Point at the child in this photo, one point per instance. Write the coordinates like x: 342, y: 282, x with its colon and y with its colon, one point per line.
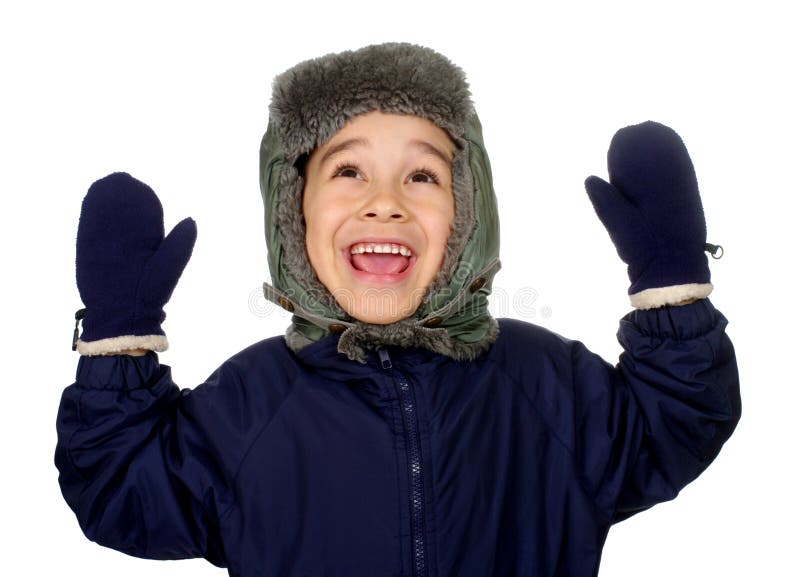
x: 397, y: 428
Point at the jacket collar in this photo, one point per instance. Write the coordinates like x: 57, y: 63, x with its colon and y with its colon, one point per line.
x: 324, y: 355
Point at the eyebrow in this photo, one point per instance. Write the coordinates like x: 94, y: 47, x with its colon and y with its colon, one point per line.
x: 351, y: 143
x: 428, y: 148
x: 342, y: 146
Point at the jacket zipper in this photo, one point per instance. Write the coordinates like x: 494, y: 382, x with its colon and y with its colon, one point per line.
x: 414, y: 464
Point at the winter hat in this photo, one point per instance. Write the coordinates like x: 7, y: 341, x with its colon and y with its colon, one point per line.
x: 310, y: 103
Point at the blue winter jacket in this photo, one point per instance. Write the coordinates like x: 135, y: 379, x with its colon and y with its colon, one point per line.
x: 308, y: 464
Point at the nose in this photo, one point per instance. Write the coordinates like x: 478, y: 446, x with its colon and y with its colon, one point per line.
x: 384, y: 206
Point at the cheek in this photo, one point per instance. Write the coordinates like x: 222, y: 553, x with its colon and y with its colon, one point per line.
x: 325, y: 208
x: 313, y: 214
x: 439, y: 223
x: 322, y: 225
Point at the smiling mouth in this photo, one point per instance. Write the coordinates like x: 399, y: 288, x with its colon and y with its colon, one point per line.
x: 381, y: 258
x: 380, y: 263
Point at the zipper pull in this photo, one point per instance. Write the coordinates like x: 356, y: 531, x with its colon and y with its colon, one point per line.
x: 386, y: 362
x: 716, y: 250
x: 79, y: 314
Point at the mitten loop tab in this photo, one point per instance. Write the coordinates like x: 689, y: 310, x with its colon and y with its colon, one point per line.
x: 716, y: 250
x: 79, y: 314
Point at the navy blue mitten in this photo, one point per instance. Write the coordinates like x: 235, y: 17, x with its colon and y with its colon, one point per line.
x: 652, y: 211
x: 126, y: 269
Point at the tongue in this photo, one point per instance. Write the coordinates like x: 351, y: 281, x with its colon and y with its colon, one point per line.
x: 380, y: 263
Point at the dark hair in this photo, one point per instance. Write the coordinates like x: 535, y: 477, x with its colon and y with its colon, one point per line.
x: 300, y: 164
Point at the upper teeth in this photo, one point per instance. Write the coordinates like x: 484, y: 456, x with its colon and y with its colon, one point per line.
x: 386, y: 248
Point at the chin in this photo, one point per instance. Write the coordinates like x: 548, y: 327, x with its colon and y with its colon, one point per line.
x: 378, y: 318
x: 387, y: 314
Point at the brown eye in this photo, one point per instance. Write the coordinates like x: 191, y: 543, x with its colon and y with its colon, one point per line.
x: 423, y: 176
x: 347, y: 171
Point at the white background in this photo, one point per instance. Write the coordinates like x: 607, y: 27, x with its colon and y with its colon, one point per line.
x: 177, y: 94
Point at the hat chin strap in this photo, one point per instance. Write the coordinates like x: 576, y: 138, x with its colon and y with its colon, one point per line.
x: 462, y: 329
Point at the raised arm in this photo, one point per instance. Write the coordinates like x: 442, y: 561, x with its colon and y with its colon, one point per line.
x: 653, y: 423
x: 647, y: 427
x: 137, y: 463
x: 145, y: 466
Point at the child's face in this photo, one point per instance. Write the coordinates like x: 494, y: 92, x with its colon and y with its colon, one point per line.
x: 383, y: 179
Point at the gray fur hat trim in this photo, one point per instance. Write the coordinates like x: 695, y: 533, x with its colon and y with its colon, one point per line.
x: 312, y: 100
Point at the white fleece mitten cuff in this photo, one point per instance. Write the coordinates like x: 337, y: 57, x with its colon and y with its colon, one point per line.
x: 156, y: 343
x: 670, y: 295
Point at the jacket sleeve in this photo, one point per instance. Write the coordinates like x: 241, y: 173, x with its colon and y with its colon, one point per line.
x: 146, y: 467
x: 647, y: 427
